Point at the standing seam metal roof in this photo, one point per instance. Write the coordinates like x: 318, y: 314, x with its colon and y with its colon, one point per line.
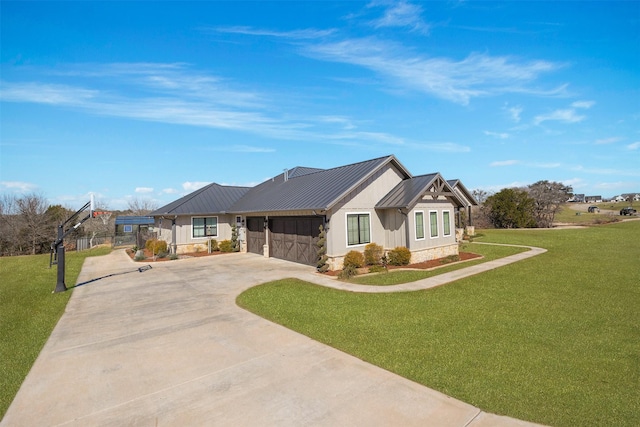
x: 318, y: 190
x: 407, y: 193
x: 213, y: 198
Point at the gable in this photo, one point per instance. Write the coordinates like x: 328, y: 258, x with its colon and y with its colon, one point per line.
x: 425, y: 187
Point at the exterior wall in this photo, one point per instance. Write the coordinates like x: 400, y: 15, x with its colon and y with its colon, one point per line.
x: 185, y: 243
x: 361, y: 200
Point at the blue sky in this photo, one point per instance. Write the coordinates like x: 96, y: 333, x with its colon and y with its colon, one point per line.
x: 151, y: 100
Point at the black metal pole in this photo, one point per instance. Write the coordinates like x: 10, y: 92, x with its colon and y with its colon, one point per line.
x: 60, y: 285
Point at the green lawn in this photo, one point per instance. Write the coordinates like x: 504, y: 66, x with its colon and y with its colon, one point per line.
x: 554, y: 339
x: 29, y: 311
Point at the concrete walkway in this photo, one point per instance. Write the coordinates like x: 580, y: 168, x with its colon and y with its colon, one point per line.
x: 169, y: 347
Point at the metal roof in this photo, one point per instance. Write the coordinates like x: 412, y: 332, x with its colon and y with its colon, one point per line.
x: 134, y: 220
x: 407, y: 192
x: 456, y: 184
x: 213, y: 198
x: 318, y: 190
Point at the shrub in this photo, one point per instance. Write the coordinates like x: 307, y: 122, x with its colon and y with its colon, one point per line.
x: 449, y: 259
x: 139, y: 257
x: 173, y: 256
x: 321, y: 250
x: 373, y: 254
x: 213, y: 245
x: 353, y: 259
x: 156, y: 246
x: 376, y: 269
x: 347, y: 272
x: 226, y: 246
x: 162, y: 254
x: 399, y: 256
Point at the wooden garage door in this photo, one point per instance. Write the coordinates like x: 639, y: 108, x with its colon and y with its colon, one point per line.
x: 294, y: 238
x: 255, y: 235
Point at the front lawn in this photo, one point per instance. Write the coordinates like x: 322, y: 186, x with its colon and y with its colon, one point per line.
x: 29, y: 311
x: 554, y: 339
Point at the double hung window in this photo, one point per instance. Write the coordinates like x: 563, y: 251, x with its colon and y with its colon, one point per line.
x: 358, y: 229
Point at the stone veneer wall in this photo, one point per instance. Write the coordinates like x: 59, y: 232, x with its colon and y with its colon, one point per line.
x: 335, y: 263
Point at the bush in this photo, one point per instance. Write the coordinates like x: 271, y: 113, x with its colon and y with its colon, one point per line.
x: 373, y: 254
x: 162, y: 254
x: 156, y: 246
x: 226, y: 246
x: 173, y: 256
x: 399, y: 256
x: 213, y: 245
x: 353, y: 259
x: 376, y: 269
x: 347, y: 272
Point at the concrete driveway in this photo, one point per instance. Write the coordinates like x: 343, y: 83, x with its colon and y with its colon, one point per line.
x: 169, y: 347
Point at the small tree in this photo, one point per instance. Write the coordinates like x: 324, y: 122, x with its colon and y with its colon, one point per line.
x: 321, y: 246
x: 548, y: 199
x: 510, y: 208
x: 235, y: 243
x: 373, y: 254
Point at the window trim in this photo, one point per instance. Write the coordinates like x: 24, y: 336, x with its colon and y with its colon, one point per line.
x: 415, y: 225
x: 347, y: 215
x: 193, y: 237
x: 446, y: 223
x: 431, y: 235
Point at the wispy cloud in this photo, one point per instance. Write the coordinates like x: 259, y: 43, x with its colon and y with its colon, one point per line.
x: 499, y: 135
x: 606, y: 141
x: 634, y: 146
x: 23, y: 187
x: 399, y: 14
x: 241, y: 149
x: 515, y: 112
x: 193, y: 186
x: 308, y: 33
x: 504, y: 163
x: 454, y: 80
x: 144, y: 190
x: 566, y: 116
x: 583, y: 104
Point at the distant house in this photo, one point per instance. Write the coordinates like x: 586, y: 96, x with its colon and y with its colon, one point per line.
x: 577, y: 198
x: 635, y: 197
x: 375, y: 201
x: 593, y: 199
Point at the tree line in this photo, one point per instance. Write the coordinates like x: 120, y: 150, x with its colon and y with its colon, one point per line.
x: 535, y: 205
x: 29, y: 224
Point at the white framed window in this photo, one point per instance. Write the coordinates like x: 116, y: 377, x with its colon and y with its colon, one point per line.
x: 446, y: 223
x: 419, y: 219
x: 433, y: 223
x: 358, y: 229
x: 202, y: 227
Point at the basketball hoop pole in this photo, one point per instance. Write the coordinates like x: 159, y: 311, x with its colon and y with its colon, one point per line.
x: 58, y: 245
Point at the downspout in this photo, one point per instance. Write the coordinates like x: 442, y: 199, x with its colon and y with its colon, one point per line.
x: 174, y: 246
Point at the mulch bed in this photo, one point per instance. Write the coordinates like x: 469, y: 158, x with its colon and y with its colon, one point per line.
x: 434, y: 263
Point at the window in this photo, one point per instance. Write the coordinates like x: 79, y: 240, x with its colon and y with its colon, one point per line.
x: 433, y: 221
x: 358, y: 229
x: 446, y: 223
x: 204, y: 227
x: 419, y: 225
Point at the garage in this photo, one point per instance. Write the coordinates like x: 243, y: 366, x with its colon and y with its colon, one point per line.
x: 294, y: 238
x: 255, y: 235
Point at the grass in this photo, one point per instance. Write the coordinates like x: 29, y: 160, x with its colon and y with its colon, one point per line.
x: 554, y: 339
x: 29, y: 311
x: 395, y: 277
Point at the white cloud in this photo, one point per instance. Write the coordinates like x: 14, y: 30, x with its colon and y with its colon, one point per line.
x: 566, y: 116
x: 499, y: 135
x: 454, y: 80
x: 634, y: 146
x: 241, y: 149
x: 169, y: 191
x: 546, y: 165
x: 515, y: 112
x: 583, y: 104
x: 504, y: 163
x: 144, y: 190
x: 23, y: 187
x: 400, y: 14
x: 308, y: 33
x: 193, y: 186
x: 611, y: 140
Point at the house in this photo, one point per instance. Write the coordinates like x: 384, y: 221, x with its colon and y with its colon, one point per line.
x: 630, y: 197
x: 577, y: 198
x: 374, y: 201
x: 593, y: 199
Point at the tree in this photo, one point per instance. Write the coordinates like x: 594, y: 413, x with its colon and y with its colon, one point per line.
x: 480, y: 195
x: 549, y: 197
x: 36, y: 228
x: 8, y: 225
x: 510, y: 208
x: 141, y: 207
